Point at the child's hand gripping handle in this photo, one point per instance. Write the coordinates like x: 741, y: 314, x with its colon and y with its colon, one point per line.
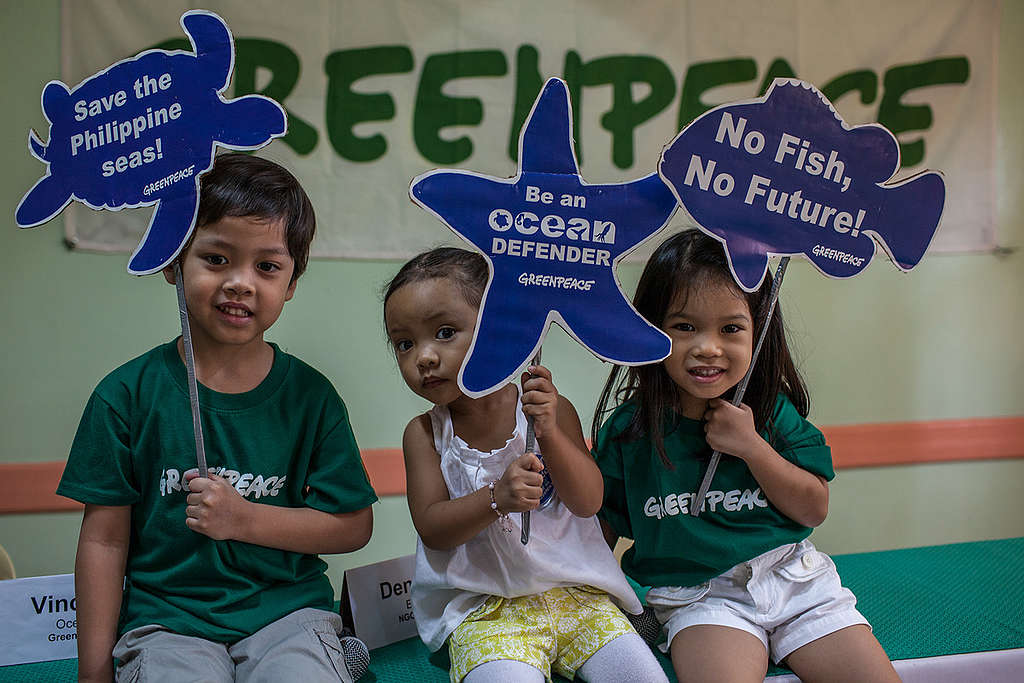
x: 531, y: 446
x: 531, y: 438
x: 698, y: 500
x: 190, y: 370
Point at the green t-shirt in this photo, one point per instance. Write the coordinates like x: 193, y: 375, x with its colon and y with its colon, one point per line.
x: 649, y: 502
x: 287, y: 442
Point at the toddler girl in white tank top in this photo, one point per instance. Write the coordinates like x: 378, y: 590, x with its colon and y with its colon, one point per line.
x: 509, y: 610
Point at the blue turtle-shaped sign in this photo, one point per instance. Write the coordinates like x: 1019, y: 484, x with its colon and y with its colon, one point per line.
x: 141, y: 132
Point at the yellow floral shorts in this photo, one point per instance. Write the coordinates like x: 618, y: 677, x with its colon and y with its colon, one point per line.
x: 558, y: 629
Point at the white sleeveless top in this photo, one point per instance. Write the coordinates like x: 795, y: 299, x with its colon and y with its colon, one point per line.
x: 564, y: 550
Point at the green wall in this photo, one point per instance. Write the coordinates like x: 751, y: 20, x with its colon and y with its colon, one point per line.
x: 941, y: 342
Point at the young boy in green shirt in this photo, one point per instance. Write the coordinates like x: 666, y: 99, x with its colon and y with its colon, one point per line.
x: 220, y: 575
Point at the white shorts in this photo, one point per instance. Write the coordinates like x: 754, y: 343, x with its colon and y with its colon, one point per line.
x: 787, y: 597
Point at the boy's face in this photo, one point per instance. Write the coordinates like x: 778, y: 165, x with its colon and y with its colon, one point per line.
x: 238, y: 274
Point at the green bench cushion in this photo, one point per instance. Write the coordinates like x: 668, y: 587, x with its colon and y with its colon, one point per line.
x: 922, y: 602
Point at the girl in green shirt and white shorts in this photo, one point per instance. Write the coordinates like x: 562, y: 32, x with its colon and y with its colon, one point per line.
x: 739, y: 582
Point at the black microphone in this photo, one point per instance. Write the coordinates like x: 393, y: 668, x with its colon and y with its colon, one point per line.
x: 357, y: 655
x: 646, y: 624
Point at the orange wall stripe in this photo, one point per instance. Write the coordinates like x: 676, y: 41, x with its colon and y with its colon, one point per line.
x: 907, y: 443
x: 29, y: 487
x: 386, y: 469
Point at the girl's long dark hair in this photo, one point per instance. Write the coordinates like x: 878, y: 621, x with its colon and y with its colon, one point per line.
x: 686, y: 262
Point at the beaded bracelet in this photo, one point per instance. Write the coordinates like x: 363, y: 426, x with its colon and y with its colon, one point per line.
x: 503, y: 519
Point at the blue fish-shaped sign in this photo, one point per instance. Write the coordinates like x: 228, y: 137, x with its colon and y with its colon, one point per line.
x: 785, y: 175
x: 142, y: 132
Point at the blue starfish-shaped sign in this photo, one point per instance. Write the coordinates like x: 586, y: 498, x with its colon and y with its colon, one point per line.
x: 552, y: 242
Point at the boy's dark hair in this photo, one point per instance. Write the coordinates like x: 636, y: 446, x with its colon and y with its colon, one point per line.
x: 687, y: 262
x: 467, y: 269
x: 247, y: 185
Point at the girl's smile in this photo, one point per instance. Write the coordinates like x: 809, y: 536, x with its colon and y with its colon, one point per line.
x: 706, y: 375
x: 712, y: 341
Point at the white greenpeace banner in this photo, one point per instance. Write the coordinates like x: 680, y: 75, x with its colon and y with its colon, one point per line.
x: 380, y: 92
x: 39, y: 619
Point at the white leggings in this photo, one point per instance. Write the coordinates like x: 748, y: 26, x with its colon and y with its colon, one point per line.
x: 627, y: 659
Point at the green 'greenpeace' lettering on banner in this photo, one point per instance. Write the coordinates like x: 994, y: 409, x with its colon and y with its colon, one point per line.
x: 434, y: 111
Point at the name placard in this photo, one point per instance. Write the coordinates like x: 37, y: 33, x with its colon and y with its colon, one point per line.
x: 39, y: 619
x: 379, y: 601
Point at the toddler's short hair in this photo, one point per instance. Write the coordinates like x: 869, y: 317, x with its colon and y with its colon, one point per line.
x: 468, y: 269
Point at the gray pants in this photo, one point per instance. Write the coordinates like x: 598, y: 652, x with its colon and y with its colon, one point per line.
x: 302, y: 646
